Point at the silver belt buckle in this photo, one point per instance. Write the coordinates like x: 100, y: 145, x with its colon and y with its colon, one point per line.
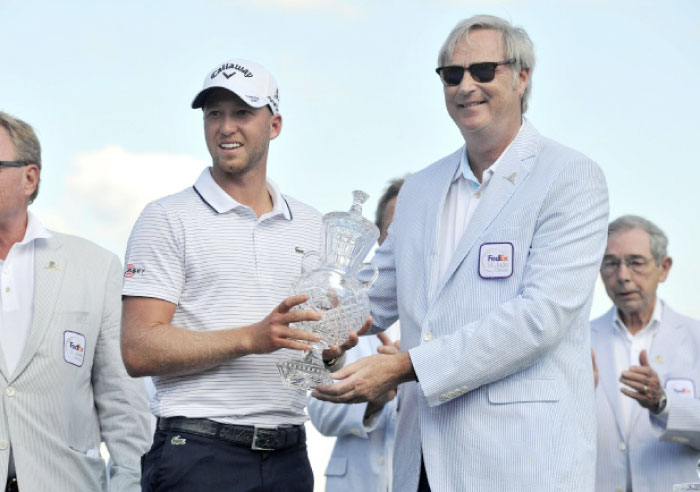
x: 255, y: 446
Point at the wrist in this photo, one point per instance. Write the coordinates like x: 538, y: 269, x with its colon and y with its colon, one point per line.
x: 406, y: 373
x: 661, y: 405
x: 242, y: 341
x: 372, y: 409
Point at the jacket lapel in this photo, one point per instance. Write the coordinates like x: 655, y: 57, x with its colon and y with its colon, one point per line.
x: 3, y: 367
x: 49, y: 268
x: 605, y: 359
x: 443, y: 179
x: 666, y: 342
x: 508, y: 176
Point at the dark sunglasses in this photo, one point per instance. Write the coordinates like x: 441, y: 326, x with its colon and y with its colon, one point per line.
x: 14, y: 163
x: 480, y: 72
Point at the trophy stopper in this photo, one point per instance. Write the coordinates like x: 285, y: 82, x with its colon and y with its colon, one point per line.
x: 358, y: 198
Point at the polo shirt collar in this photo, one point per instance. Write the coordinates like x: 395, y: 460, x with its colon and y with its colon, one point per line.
x: 35, y: 230
x: 464, y: 169
x: 222, y: 202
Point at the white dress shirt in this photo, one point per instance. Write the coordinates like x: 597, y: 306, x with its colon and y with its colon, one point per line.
x: 626, y: 349
x: 17, y: 293
x: 461, y: 202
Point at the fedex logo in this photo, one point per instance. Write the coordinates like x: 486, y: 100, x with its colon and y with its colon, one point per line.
x: 76, y: 346
x: 497, y: 258
x: 682, y: 391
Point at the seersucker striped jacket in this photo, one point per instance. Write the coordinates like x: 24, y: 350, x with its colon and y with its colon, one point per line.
x: 504, y: 398
x: 57, y: 406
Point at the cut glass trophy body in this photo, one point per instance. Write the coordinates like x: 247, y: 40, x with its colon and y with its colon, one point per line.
x: 333, y: 289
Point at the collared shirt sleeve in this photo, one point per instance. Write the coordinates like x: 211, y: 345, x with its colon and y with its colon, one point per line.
x: 155, y: 262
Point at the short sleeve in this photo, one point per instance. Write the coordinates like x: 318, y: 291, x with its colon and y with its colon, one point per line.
x: 154, y: 261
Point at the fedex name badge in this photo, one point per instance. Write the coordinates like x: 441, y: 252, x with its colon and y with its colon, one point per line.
x: 496, y: 260
x: 74, y: 348
x: 680, y: 387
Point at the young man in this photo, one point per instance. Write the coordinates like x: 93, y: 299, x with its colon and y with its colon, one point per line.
x: 206, y: 271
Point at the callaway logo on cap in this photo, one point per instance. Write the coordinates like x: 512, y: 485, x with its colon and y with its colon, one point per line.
x: 248, y: 80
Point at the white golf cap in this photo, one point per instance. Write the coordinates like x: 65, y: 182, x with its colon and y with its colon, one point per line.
x: 248, y: 80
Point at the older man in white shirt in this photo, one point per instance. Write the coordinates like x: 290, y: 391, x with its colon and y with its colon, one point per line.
x: 646, y: 403
x: 64, y: 385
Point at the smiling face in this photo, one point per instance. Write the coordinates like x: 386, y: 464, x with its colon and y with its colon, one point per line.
x: 633, y: 292
x: 489, y: 106
x: 238, y: 135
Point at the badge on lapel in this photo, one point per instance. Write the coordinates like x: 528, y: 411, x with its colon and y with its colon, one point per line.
x: 496, y: 260
x: 680, y: 387
x: 74, y: 348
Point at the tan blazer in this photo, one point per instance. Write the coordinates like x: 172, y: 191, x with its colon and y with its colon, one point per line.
x: 70, y: 390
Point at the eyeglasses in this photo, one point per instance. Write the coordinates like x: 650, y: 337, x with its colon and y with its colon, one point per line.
x: 480, y: 72
x: 638, y: 264
x: 14, y: 163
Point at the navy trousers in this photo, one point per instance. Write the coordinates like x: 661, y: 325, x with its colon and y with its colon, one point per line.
x: 423, y: 485
x: 180, y: 461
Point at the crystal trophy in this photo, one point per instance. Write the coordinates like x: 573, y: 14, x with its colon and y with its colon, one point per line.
x: 333, y: 288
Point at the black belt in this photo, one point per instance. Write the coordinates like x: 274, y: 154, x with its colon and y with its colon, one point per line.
x: 259, y: 438
x: 11, y: 485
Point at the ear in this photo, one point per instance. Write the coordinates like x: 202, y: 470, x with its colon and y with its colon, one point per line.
x: 666, y: 264
x: 523, y: 79
x: 275, y: 125
x: 30, y: 179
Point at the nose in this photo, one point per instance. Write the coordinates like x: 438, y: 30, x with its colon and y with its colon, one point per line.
x: 467, y: 85
x: 623, y: 272
x: 228, y: 125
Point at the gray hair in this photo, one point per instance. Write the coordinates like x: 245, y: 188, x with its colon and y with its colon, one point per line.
x: 658, y: 241
x: 518, y: 46
x: 25, y: 141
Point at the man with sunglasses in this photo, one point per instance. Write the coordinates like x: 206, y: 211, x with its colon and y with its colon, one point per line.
x: 490, y: 265
x: 64, y: 387
x: 647, y: 358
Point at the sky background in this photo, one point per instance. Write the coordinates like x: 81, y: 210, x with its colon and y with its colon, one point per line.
x: 108, y: 87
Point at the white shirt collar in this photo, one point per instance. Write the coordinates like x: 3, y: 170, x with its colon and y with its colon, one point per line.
x: 464, y: 169
x: 35, y: 230
x: 222, y: 202
x: 652, y: 326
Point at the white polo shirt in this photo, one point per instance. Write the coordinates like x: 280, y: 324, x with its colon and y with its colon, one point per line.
x: 17, y: 293
x: 223, y: 267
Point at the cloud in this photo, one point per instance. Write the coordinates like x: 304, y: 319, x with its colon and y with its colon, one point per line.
x: 108, y: 188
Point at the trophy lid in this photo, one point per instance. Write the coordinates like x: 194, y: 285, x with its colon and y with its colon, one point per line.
x: 349, y: 236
